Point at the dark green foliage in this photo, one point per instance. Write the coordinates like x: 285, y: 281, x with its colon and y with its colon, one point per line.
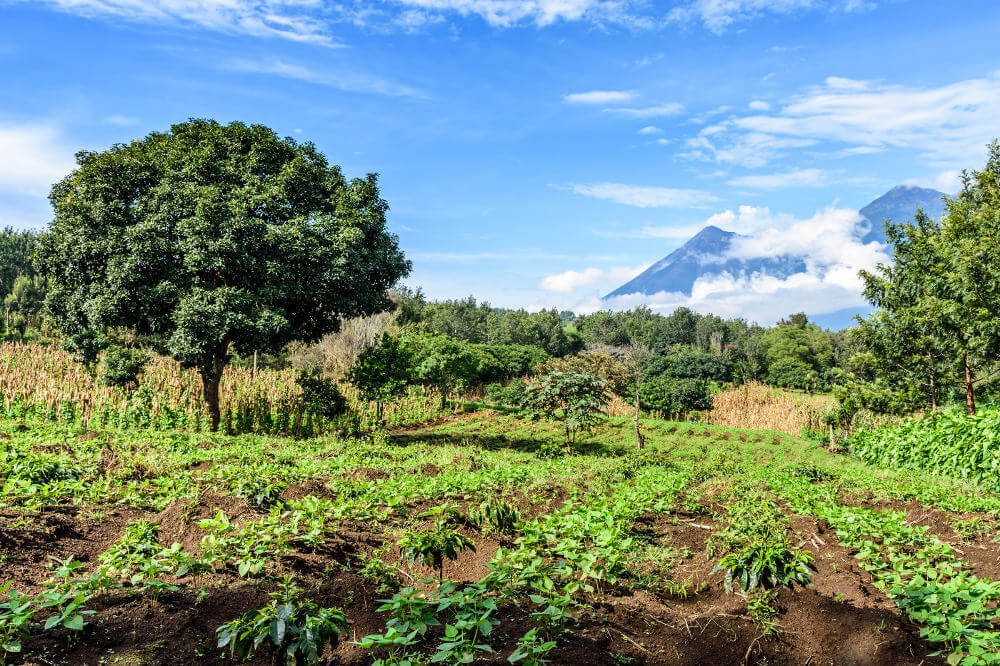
x: 674, y: 397
x: 938, y: 322
x: 26, y: 296
x: 16, y: 250
x: 85, y: 346
x: 470, y: 321
x: 431, y: 546
x: 511, y: 395
x: 320, y: 395
x: 495, y: 362
x: 382, y: 371
x: 296, y: 629
x: 792, y: 373
x: 122, y: 367
x: 690, y: 364
x: 440, y: 362
x: 215, y: 237
x: 766, y: 565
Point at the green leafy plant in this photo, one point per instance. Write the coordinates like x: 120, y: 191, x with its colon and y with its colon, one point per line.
x: 16, y: 615
x: 574, y: 398
x: 432, y: 546
x: 497, y: 515
x: 766, y: 565
x: 296, y: 629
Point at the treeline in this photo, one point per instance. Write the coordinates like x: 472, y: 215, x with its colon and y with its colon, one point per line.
x: 793, y: 354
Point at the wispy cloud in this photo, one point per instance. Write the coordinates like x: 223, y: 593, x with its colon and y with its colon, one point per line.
x: 946, y: 125
x: 669, y: 109
x: 644, y: 196
x: 352, y: 82
x: 600, y: 97
x: 795, y: 178
x: 34, y: 157
x: 507, y: 13
x: 650, y: 129
x: 720, y: 15
x: 286, y: 19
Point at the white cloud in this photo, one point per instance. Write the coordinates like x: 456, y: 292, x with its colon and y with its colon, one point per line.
x: 719, y: 15
x: 827, y: 242
x: 34, y: 157
x: 340, y: 80
x: 287, y: 19
x: 645, y: 196
x: 121, y: 120
x: 505, y: 13
x: 794, y: 178
x: 600, y: 97
x: 948, y: 182
x: 669, y: 109
x: 650, y: 129
x: 948, y: 126
x: 571, y: 280
x: 759, y: 105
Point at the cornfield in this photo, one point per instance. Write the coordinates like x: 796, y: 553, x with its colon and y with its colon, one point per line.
x: 45, y: 379
x: 760, y: 407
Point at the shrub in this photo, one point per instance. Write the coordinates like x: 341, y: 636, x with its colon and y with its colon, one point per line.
x: 575, y: 399
x: 320, y: 395
x: 296, y: 628
x: 123, y: 366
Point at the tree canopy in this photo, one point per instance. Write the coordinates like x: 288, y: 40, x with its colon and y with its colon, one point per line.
x: 211, y: 238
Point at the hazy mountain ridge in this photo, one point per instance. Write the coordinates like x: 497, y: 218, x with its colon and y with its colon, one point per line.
x: 705, y: 254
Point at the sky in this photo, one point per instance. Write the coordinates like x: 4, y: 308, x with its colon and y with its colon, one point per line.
x: 539, y: 153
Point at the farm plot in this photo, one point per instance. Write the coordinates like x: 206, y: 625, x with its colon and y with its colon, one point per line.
x: 477, y: 539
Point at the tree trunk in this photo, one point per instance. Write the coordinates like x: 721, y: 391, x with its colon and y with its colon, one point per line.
x: 833, y: 440
x: 210, y: 377
x: 970, y: 394
x: 933, y: 390
x: 639, y: 439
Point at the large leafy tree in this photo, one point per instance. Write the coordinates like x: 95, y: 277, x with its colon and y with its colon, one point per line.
x: 940, y: 300
x: 214, y: 238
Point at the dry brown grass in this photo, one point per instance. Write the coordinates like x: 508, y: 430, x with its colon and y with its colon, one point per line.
x: 759, y: 407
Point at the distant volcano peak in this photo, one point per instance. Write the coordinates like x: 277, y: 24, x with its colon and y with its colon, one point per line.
x: 706, y: 253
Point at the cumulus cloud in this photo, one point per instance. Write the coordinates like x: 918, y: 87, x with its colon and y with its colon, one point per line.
x: 569, y: 281
x: 645, y: 196
x: 34, y: 157
x: 827, y: 242
x: 946, y: 125
x: 341, y: 80
x: 600, y: 97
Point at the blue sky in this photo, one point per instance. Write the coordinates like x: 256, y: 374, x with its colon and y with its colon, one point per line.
x: 539, y: 152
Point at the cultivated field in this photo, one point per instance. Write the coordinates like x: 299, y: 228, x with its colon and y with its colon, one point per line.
x: 136, y: 547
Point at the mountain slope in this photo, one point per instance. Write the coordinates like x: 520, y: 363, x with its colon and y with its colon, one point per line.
x: 899, y: 204
x: 705, y: 253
